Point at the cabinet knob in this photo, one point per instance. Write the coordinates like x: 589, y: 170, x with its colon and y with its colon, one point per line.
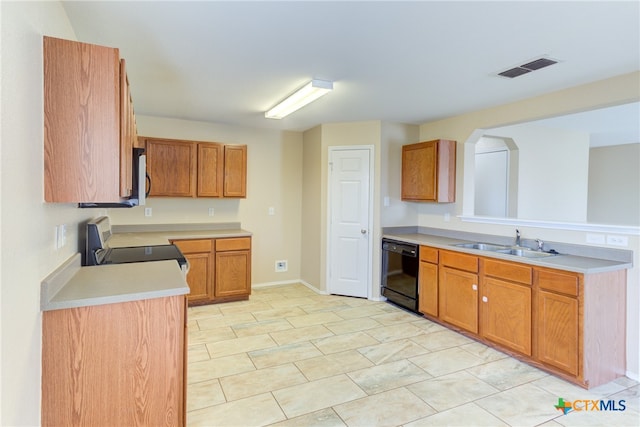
x: 474, y: 287
x: 485, y: 299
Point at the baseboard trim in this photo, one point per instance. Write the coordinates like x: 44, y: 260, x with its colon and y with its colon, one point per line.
x: 288, y: 282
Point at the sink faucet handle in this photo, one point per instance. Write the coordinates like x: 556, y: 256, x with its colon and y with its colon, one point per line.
x: 540, y: 244
x: 517, y: 237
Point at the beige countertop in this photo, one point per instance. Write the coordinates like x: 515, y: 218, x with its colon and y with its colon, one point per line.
x: 148, y: 238
x: 72, y: 285
x: 578, y: 264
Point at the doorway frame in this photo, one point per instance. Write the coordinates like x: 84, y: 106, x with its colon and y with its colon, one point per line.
x: 370, y: 234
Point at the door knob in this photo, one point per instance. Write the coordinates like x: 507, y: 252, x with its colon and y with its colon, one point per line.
x: 363, y: 231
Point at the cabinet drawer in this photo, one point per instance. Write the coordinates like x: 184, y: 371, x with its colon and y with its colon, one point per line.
x: 193, y: 246
x: 507, y: 270
x: 428, y: 254
x: 233, y: 244
x: 558, y: 282
x: 459, y: 261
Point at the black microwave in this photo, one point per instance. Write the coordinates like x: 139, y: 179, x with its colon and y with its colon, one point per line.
x: 139, y: 190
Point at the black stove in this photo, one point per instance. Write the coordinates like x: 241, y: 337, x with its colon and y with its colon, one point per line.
x: 99, y: 253
x: 140, y: 254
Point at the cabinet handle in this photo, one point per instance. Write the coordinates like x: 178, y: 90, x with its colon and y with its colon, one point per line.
x: 474, y: 287
x: 485, y: 299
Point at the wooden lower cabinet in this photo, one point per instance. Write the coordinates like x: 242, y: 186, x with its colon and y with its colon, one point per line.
x: 428, y: 281
x: 505, y: 308
x: 558, y: 331
x: 570, y: 324
x: 219, y: 269
x: 458, y: 290
x: 200, y: 255
x: 506, y: 314
x: 115, y: 364
x: 233, y: 267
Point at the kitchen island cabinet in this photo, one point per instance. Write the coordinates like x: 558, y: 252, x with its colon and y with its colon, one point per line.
x: 115, y: 364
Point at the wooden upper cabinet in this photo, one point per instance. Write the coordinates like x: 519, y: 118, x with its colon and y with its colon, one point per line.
x: 128, y: 133
x: 210, y: 169
x: 179, y: 168
x: 235, y: 171
x: 429, y: 171
x: 171, y: 166
x: 84, y: 160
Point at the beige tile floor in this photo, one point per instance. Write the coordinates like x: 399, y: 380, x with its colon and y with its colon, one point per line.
x: 291, y: 357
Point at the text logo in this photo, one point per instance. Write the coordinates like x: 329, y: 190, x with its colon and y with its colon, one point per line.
x: 590, y: 405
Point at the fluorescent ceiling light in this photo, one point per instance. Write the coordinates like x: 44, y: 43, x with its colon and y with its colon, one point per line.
x: 310, y: 92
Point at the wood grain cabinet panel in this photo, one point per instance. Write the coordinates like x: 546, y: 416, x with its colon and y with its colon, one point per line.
x: 235, y: 171
x: 428, y: 171
x: 458, y: 303
x: 558, y: 331
x: 87, y: 123
x: 115, y: 364
x: 233, y: 267
x: 171, y: 166
x: 200, y: 255
x: 179, y: 168
x: 506, y: 314
x: 428, y: 281
x: 210, y: 170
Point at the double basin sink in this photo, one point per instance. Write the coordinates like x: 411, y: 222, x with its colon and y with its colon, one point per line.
x: 518, y: 251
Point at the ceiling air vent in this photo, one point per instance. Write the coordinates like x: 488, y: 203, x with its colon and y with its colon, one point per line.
x: 528, y: 67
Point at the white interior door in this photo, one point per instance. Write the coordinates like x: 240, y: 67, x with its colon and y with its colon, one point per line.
x: 349, y: 249
x: 492, y: 178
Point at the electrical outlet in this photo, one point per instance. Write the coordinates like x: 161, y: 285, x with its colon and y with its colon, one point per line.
x: 617, y: 240
x: 60, y: 236
x: 281, y: 266
x: 211, y: 211
x: 597, y: 239
x: 148, y: 212
x: 272, y: 210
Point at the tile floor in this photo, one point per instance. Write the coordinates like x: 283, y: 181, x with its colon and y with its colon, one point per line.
x: 291, y: 357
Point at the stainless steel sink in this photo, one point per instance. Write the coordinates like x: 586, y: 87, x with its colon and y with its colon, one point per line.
x: 483, y: 246
x: 526, y: 253
x: 508, y: 250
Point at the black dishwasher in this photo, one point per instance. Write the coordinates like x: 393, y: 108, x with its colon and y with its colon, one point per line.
x: 400, y: 265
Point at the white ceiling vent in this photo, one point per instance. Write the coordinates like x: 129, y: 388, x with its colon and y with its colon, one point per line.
x: 527, y: 68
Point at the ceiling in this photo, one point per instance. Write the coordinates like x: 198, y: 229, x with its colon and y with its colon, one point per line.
x: 400, y: 62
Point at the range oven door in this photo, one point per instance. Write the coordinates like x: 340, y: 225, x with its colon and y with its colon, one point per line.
x: 400, y: 264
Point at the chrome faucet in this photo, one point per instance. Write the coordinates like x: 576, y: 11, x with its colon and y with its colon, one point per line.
x: 517, y: 237
x: 540, y: 244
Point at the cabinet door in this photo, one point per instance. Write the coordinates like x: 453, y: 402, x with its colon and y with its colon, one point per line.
x: 428, y: 289
x: 171, y: 166
x: 458, y: 303
x: 235, y: 171
x: 210, y: 170
x: 506, y: 314
x: 557, y: 325
x: 199, y: 276
x: 419, y: 171
x: 81, y: 122
x: 233, y: 273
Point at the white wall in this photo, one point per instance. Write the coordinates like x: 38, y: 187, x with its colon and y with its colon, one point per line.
x: 274, y: 179
x: 614, y: 168
x: 27, y: 238
x: 553, y: 172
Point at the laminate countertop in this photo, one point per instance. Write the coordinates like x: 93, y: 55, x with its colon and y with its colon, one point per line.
x: 568, y: 262
x: 72, y: 285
